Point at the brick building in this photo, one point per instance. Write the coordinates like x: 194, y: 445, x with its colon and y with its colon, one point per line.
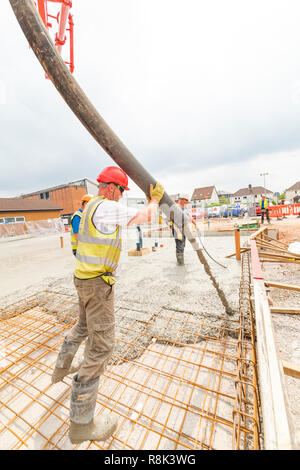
x: 67, y: 196
x: 14, y: 210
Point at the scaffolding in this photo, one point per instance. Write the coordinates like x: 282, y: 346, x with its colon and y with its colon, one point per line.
x: 175, y: 381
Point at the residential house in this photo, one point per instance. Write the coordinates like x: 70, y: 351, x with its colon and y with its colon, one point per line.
x: 224, y: 195
x: 207, y: 195
x: 14, y: 210
x: 68, y: 196
x: 250, y: 195
x: 292, y: 194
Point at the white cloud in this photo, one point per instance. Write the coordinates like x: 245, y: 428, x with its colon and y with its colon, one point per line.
x: 233, y: 176
x: 201, y: 93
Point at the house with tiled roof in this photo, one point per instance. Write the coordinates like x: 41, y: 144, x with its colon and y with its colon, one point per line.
x: 250, y: 195
x: 292, y: 194
x: 206, y: 194
x: 13, y: 210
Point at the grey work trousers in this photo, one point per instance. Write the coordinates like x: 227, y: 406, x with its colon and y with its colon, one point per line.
x: 96, y: 324
x: 180, y: 244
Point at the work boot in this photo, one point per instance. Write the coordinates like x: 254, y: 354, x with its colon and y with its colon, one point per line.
x: 180, y: 259
x: 99, y: 429
x: 83, y: 426
x: 60, y: 372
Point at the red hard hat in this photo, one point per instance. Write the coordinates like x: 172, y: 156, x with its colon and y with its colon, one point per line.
x: 113, y: 174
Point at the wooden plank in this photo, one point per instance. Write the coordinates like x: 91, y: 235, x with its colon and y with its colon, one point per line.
x: 276, y: 419
x: 291, y: 369
x: 278, y: 241
x: 274, y: 255
x: 143, y: 251
x: 256, y: 267
x: 258, y: 232
x: 280, y: 261
x: 243, y: 250
x: 282, y: 286
x: 289, y: 310
x: 272, y: 246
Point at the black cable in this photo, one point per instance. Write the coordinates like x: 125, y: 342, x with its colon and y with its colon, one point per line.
x: 199, y: 236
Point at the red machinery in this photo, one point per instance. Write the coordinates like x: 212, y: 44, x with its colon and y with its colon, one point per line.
x: 62, y: 17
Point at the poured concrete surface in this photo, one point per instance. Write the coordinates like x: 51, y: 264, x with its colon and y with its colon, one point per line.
x: 37, y: 263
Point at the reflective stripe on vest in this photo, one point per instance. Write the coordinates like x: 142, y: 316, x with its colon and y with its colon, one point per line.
x: 97, y: 252
x: 73, y: 238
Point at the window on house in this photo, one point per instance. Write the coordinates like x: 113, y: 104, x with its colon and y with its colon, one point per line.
x: 47, y: 195
x: 42, y: 196
x: 20, y: 219
x: 1, y: 221
x: 9, y: 220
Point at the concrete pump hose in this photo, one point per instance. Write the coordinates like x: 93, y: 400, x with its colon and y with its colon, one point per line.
x: 57, y: 71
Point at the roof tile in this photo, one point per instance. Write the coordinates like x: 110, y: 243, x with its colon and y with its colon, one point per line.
x: 20, y: 204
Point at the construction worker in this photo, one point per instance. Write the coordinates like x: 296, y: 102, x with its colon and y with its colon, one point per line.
x: 182, y: 201
x: 75, y: 221
x: 97, y: 259
x: 264, y: 207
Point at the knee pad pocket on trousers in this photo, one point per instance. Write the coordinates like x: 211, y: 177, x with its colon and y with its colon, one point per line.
x: 103, y: 337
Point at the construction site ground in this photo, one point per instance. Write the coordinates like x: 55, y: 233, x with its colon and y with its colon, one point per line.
x: 169, y: 319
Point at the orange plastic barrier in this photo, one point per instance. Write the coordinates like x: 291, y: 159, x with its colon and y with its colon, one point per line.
x: 280, y: 211
x: 296, y: 209
x: 284, y: 210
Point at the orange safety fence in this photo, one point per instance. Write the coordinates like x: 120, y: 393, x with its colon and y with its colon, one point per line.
x: 274, y: 211
x: 284, y: 210
x: 38, y: 227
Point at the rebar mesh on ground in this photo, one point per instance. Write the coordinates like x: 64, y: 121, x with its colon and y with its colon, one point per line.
x: 176, y: 381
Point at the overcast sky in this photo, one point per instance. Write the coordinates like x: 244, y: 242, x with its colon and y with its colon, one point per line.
x: 201, y: 92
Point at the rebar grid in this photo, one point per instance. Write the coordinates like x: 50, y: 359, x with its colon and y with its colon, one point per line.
x: 177, y: 380
x: 245, y: 412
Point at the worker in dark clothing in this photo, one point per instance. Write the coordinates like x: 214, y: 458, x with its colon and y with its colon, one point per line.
x: 264, y: 207
x: 75, y: 222
x: 178, y: 234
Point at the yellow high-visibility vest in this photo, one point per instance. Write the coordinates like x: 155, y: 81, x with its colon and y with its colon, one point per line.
x: 73, y: 238
x: 97, y: 253
x: 266, y: 204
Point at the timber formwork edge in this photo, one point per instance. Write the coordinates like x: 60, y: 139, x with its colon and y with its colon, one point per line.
x: 277, y: 423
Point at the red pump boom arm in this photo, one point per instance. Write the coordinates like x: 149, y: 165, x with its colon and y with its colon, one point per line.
x: 63, y: 19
